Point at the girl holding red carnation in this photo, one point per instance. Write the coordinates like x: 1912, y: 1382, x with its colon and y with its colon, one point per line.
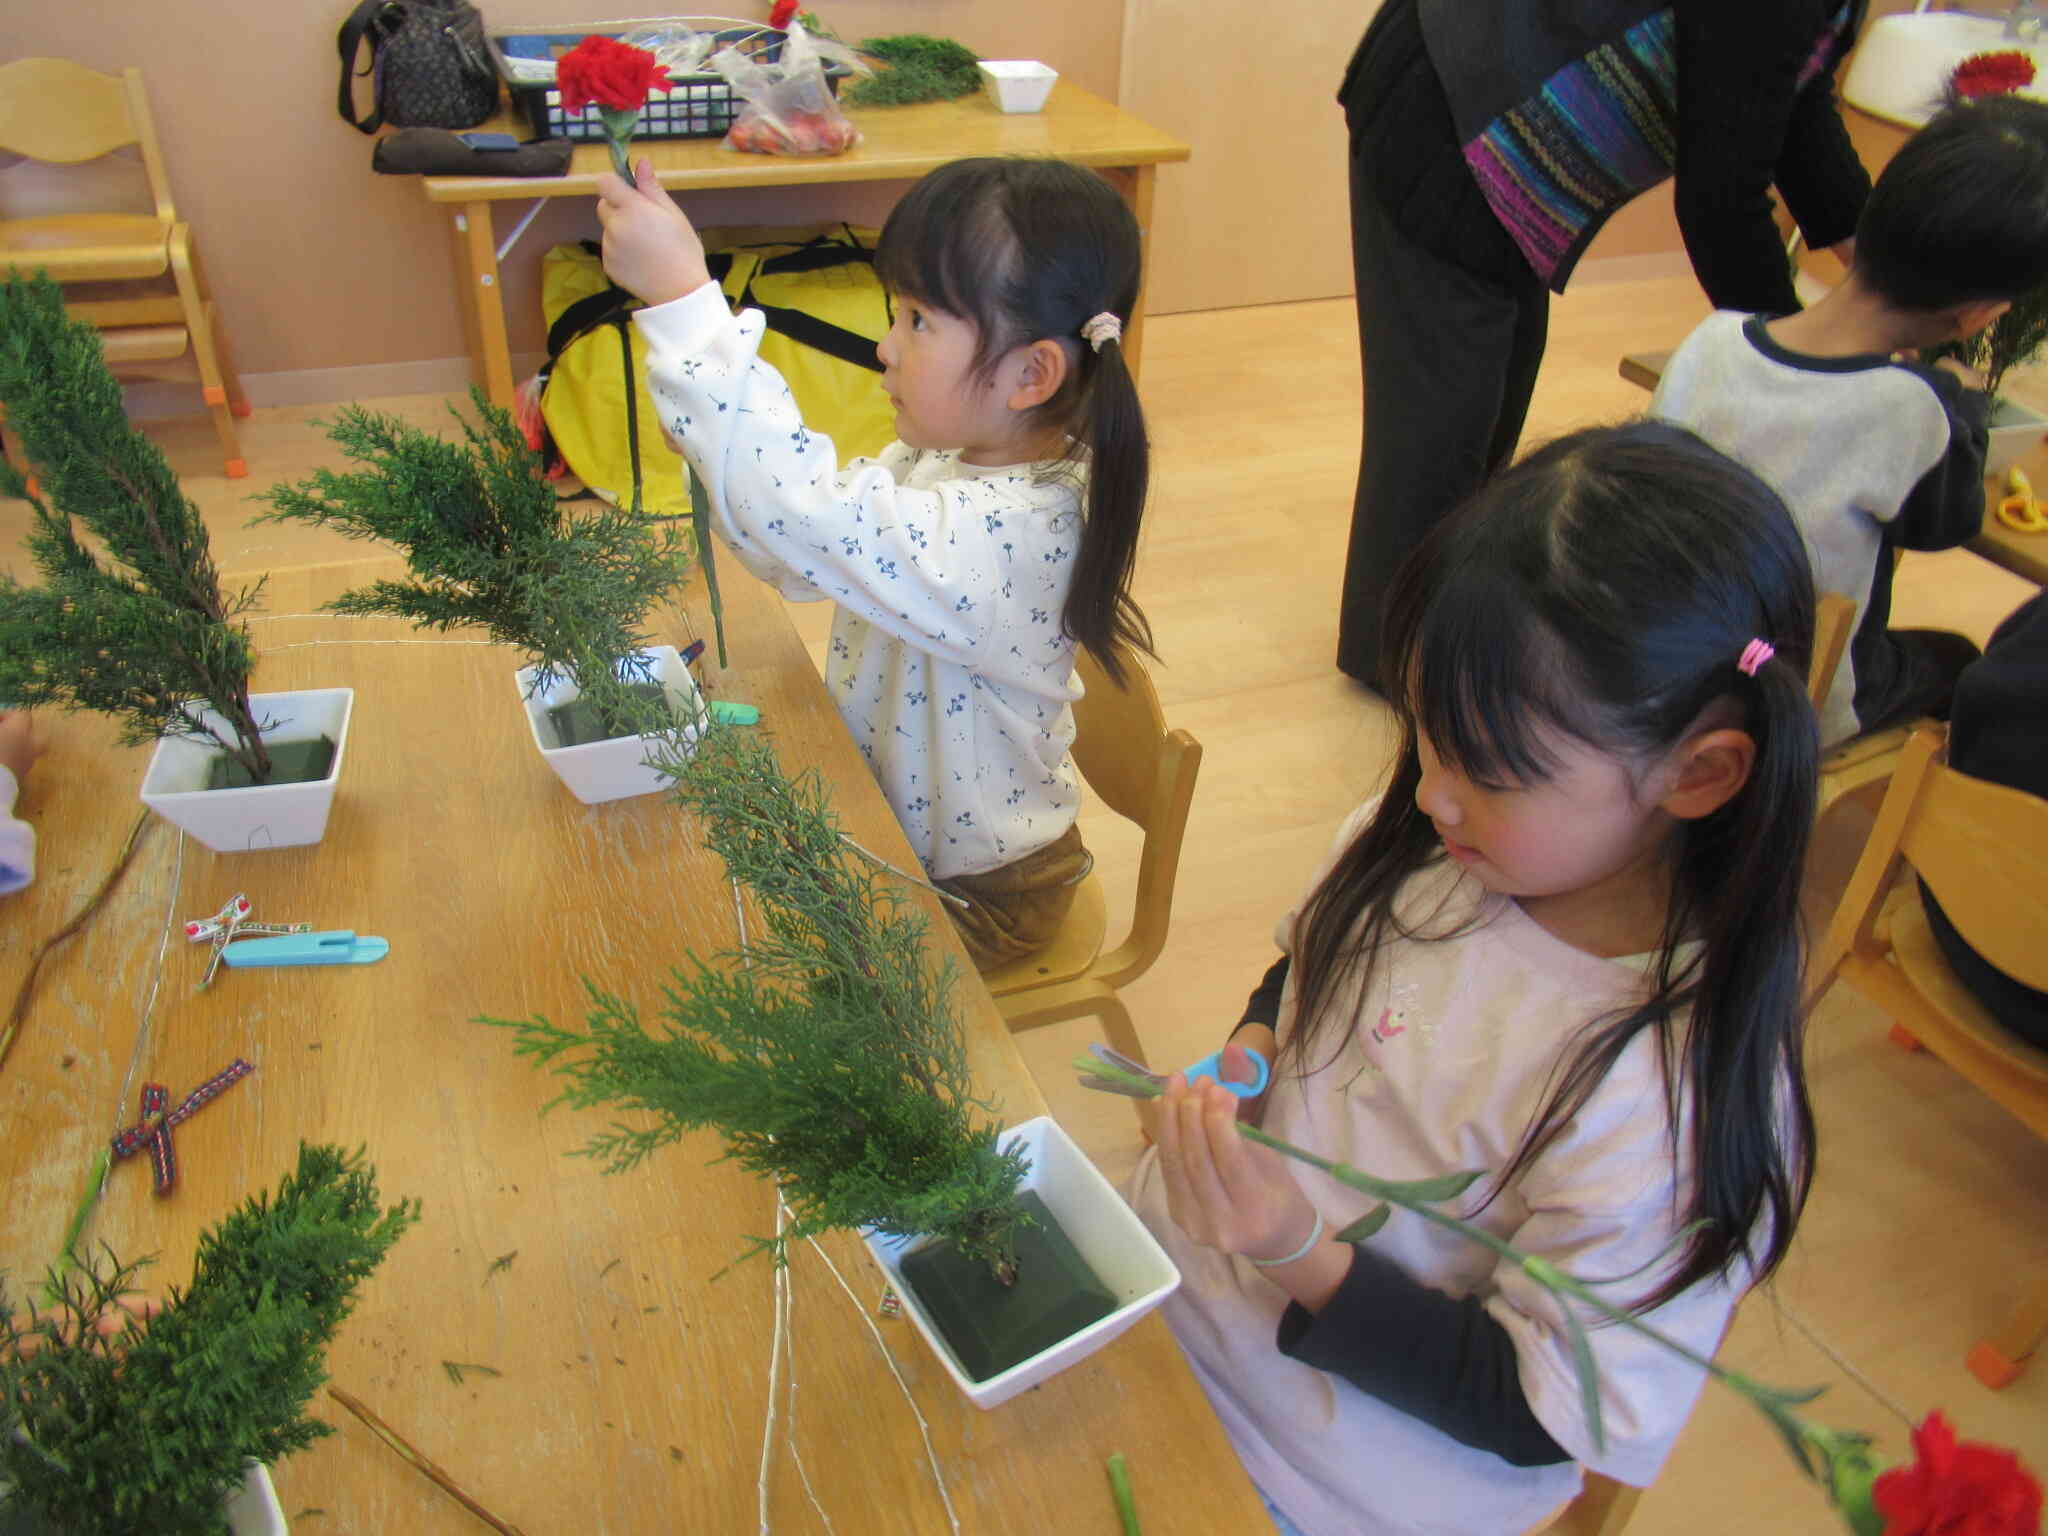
x: 970, y: 558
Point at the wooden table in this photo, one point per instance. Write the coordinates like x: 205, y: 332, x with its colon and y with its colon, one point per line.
x: 897, y: 144
x: 2024, y: 554
x: 632, y: 1391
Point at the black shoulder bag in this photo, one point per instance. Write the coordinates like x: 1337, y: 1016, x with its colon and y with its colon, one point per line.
x: 429, y: 64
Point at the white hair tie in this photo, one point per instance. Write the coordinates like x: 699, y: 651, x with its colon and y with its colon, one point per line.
x: 1101, y: 328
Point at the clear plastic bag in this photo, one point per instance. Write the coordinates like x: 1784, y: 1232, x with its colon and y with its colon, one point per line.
x: 676, y: 47
x: 789, y: 107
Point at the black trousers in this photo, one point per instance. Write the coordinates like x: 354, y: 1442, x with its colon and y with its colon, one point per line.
x: 1450, y: 360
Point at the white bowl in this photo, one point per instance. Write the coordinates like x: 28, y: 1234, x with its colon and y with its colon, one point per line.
x: 257, y: 816
x: 1018, y: 85
x: 601, y: 771
x: 1107, y: 1233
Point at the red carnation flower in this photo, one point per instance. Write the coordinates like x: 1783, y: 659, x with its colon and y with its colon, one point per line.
x: 1957, y: 1489
x: 1993, y: 74
x: 612, y: 74
x: 779, y: 15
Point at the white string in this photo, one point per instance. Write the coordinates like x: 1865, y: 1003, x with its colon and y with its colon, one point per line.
x: 923, y: 1428
x: 787, y: 1293
x: 774, y: 1371
x: 155, y: 981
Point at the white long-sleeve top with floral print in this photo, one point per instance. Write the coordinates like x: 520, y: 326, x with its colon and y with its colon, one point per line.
x: 948, y: 661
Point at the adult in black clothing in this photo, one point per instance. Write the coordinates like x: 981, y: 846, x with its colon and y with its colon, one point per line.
x: 1998, y: 730
x: 1458, y: 111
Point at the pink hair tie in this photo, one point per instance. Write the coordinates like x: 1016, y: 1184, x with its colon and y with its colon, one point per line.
x: 1754, y: 655
x: 1100, y: 328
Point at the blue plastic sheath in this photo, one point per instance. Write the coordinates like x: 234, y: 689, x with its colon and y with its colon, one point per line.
x: 1212, y: 1066
x: 337, y: 946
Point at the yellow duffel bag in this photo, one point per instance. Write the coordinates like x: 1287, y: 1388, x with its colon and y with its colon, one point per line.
x: 825, y: 312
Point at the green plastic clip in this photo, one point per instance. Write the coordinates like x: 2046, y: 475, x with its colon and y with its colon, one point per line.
x: 726, y: 712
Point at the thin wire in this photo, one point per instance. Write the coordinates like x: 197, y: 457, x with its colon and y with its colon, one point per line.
x: 925, y: 1429
x: 1840, y: 1363
x: 901, y: 874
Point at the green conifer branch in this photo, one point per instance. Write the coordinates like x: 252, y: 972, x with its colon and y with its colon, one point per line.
x: 828, y: 1054
x: 489, y: 546
x: 2006, y: 343
x: 137, y: 628
x: 143, y: 1431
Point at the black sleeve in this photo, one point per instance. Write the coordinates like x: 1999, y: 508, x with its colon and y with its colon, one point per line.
x: 1263, y: 1006
x: 1448, y: 1363
x: 1745, y: 124
x: 1819, y: 174
x: 1946, y: 507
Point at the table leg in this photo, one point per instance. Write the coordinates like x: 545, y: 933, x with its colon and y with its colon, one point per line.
x: 1136, y: 183
x: 482, y: 302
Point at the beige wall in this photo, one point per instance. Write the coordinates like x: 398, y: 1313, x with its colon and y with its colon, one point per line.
x: 321, y: 265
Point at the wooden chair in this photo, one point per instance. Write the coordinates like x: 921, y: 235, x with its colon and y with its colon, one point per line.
x: 1858, y: 769
x: 1602, y: 1508
x: 1146, y: 774
x: 1982, y: 849
x: 60, y: 113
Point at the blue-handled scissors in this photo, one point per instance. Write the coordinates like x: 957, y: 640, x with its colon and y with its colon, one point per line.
x: 1210, y: 1066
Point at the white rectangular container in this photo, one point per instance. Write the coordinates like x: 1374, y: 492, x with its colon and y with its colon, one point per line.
x: 1103, y: 1229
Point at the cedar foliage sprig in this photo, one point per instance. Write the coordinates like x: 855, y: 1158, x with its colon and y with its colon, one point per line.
x: 145, y: 1430
x: 137, y: 627
x: 2006, y: 343
x: 919, y: 68
x: 491, y: 547
x: 827, y: 1053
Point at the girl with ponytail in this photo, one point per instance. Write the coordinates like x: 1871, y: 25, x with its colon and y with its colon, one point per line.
x: 972, y: 556
x: 1563, y: 946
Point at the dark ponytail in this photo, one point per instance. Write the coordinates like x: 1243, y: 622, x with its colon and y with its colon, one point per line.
x: 1030, y: 249
x: 1606, y: 587
x: 1100, y: 613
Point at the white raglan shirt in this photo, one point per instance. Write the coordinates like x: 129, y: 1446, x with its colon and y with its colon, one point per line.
x: 948, y: 659
x: 1444, y: 1069
x: 1843, y: 445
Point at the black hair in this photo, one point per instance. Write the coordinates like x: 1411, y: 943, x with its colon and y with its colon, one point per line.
x: 1605, y: 588
x: 1029, y: 249
x: 1960, y: 214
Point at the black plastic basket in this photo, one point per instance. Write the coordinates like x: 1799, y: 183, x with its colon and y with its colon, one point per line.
x: 699, y: 106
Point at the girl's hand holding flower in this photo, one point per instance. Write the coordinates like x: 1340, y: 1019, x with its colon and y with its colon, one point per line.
x: 651, y: 248
x: 1225, y: 1192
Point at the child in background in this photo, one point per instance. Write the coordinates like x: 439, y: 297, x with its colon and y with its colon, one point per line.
x: 19, y: 749
x: 971, y: 556
x: 1563, y: 946
x: 1874, y: 454
x: 1998, y: 731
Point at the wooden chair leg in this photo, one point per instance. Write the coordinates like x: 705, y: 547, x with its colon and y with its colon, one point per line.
x: 1998, y: 1359
x: 1602, y: 1508
x: 1116, y: 1023
x: 220, y: 386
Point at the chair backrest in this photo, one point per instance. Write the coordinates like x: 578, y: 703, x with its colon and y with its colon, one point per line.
x: 1146, y: 774
x: 1983, y: 850
x: 63, y: 113
x: 1834, y: 617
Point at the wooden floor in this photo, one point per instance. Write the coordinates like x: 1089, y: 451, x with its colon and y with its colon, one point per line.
x: 1931, y: 1211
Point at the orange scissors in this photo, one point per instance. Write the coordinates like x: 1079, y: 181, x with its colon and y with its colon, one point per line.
x: 2018, y: 509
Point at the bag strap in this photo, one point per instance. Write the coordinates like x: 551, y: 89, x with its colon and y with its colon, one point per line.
x: 814, y: 255
x: 363, y: 22
x: 608, y: 306
x: 611, y: 305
